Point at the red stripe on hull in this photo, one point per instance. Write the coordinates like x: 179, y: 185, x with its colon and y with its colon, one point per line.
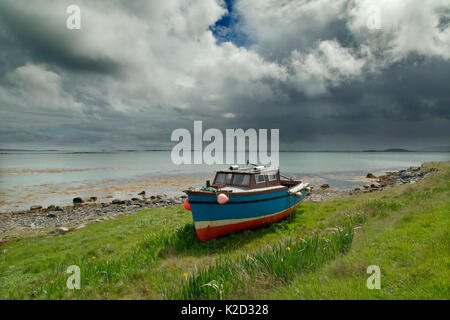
x: 216, y: 232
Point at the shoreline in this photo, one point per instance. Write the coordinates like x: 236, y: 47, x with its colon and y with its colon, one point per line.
x: 82, y: 212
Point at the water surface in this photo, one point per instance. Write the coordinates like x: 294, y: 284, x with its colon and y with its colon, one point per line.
x: 55, y: 178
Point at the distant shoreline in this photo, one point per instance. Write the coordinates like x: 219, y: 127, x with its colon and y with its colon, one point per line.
x: 6, y: 151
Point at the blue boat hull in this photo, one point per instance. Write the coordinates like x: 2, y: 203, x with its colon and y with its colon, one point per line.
x: 241, y: 212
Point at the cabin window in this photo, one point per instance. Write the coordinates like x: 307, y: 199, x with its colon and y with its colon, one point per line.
x: 228, y: 177
x: 223, y: 178
x: 272, y: 177
x: 241, y: 179
x: 259, y: 178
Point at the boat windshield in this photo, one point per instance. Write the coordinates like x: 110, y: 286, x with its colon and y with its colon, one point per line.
x: 241, y: 179
x: 223, y: 178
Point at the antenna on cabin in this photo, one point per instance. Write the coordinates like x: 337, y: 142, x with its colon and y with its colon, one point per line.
x: 252, y: 164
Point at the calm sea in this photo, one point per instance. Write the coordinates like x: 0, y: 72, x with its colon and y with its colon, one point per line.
x: 55, y: 178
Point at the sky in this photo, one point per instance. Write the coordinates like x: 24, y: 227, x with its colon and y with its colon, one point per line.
x: 330, y: 75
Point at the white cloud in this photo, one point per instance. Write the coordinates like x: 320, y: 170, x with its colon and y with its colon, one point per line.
x: 406, y: 27
x: 326, y: 66
x: 277, y: 27
x: 32, y: 86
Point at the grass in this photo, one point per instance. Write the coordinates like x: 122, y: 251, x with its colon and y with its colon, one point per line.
x: 275, y: 263
x: 155, y: 254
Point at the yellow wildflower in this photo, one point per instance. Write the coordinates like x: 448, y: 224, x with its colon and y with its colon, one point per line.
x: 288, y: 249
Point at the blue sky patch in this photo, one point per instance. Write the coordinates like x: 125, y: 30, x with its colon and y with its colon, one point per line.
x: 227, y: 28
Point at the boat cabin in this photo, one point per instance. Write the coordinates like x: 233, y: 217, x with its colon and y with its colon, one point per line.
x: 251, y: 178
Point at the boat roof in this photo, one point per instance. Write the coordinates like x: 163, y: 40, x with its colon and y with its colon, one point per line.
x: 250, y: 170
x: 237, y: 189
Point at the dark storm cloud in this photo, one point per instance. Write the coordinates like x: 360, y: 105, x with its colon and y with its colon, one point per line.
x: 138, y: 70
x: 49, y: 41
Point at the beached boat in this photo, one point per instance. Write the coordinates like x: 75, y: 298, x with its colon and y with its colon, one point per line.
x: 243, y: 198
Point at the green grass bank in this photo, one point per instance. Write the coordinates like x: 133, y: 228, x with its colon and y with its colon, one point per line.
x: 321, y: 252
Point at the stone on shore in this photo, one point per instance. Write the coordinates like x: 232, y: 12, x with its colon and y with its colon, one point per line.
x: 77, y: 200
x: 325, y: 186
x: 61, y: 230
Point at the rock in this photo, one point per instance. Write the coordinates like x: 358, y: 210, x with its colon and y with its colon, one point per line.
x: 51, y: 215
x: 117, y: 201
x: 325, y: 186
x: 81, y: 226
x: 128, y: 202
x: 61, y: 230
x: 77, y: 200
x: 51, y: 208
x: 93, y: 199
x: 152, y: 197
x: 35, y: 208
x: 58, y: 208
x: 142, y: 193
x: 135, y: 199
x: 357, y: 189
x: 370, y: 176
